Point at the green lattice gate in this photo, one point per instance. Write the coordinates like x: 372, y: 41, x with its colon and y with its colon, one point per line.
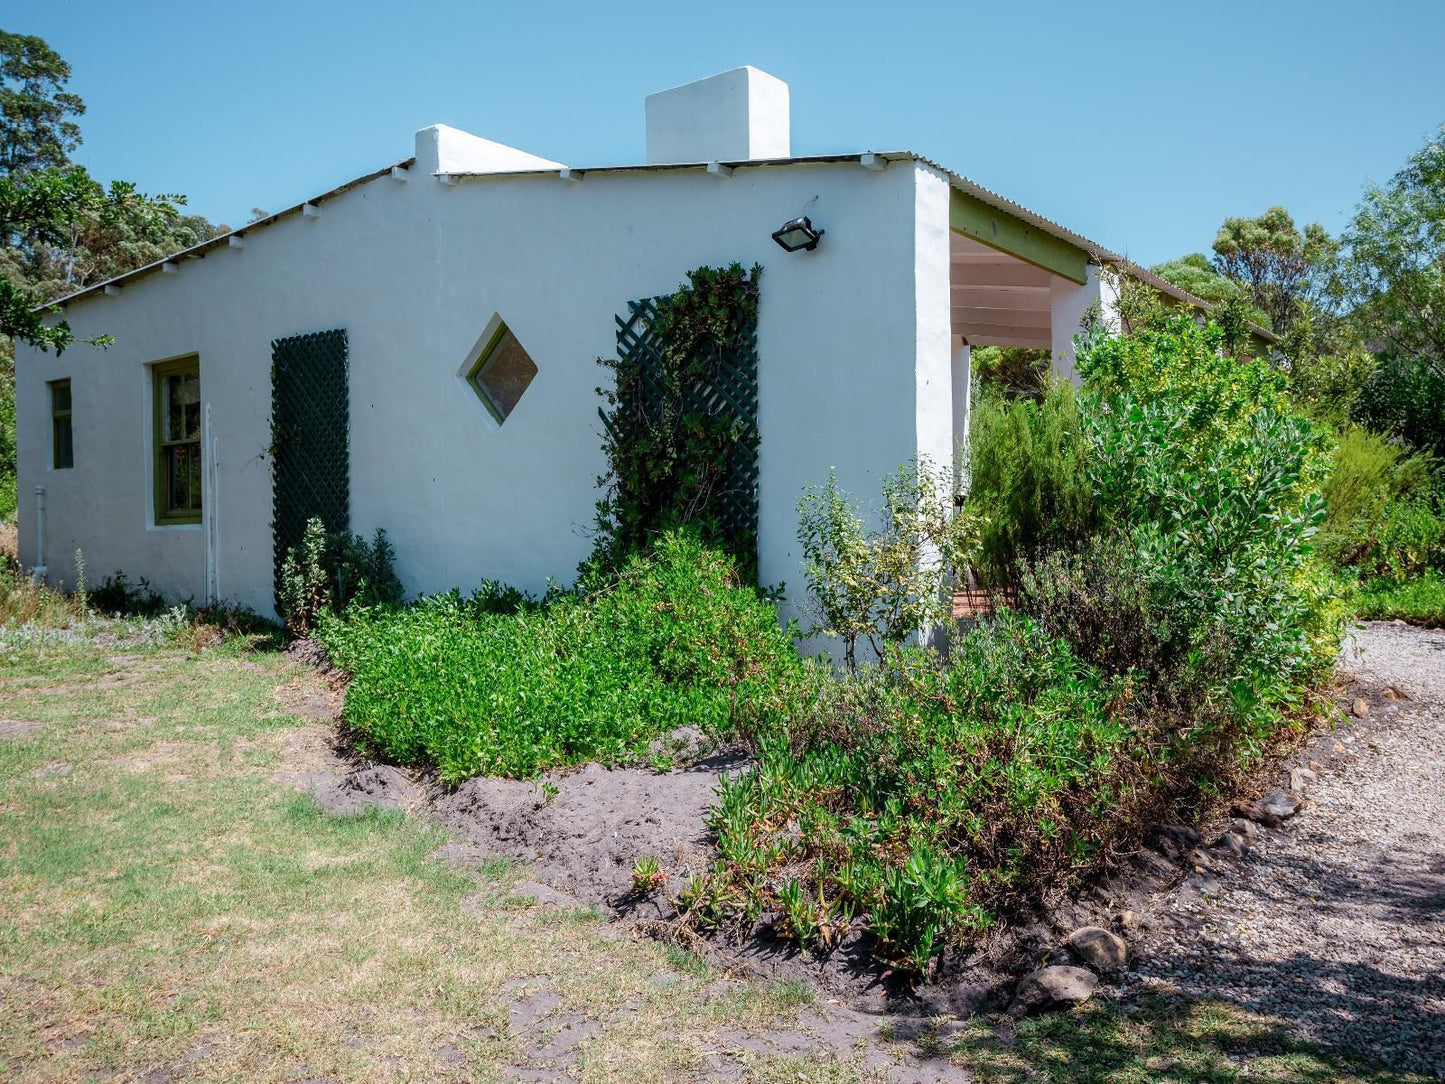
x: 728, y: 391
x: 310, y: 414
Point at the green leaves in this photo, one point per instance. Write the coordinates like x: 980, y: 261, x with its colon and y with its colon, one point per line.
x: 886, y: 584
x: 500, y: 685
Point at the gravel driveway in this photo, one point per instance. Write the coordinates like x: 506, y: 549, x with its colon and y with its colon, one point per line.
x: 1336, y: 922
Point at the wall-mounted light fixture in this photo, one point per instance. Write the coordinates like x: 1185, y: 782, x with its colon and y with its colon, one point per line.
x: 798, y: 233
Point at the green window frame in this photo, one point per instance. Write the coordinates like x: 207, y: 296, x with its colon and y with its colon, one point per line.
x: 177, y: 430
x: 62, y: 446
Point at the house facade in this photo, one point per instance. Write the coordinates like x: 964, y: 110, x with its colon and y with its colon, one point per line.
x: 473, y: 287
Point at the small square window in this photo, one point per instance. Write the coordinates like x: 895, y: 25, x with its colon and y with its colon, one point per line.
x: 62, y: 447
x: 503, y: 372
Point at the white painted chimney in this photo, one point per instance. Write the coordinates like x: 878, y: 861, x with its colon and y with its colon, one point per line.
x: 739, y: 115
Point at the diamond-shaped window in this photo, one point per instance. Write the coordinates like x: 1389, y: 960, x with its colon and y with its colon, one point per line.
x: 502, y: 373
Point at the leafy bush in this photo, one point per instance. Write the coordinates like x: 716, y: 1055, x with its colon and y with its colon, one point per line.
x: 930, y: 800
x: 332, y: 571
x: 1159, y: 526
x: 674, y: 639
x: 1406, y: 398
x: 1420, y: 600
x: 117, y: 595
x: 883, y: 586
x: 1028, y: 480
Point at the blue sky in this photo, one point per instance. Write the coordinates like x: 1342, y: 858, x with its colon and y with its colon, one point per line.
x: 1140, y: 125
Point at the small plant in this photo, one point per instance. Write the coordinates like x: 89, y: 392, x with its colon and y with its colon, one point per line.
x: 333, y: 571
x: 884, y: 586
x: 648, y: 876
x: 80, y: 594
x: 305, y: 587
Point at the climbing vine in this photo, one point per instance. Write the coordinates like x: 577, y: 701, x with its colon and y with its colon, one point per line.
x: 680, y: 420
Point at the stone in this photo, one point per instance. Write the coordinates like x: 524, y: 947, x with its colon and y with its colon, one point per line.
x: 1280, y: 804
x: 1098, y: 948
x: 1271, y: 810
x: 1393, y: 692
x: 1299, y: 778
x: 1054, y: 987
x: 1361, y: 707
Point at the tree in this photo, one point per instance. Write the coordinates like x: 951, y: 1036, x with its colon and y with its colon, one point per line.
x: 1196, y: 274
x: 1283, y: 270
x: 36, y: 131
x: 1395, y: 273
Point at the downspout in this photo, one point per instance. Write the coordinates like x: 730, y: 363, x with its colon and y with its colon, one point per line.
x: 38, y: 573
x: 211, y: 510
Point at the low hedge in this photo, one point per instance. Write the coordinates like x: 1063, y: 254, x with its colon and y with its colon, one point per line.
x: 451, y: 683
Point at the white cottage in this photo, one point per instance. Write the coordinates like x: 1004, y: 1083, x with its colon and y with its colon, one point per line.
x: 462, y: 296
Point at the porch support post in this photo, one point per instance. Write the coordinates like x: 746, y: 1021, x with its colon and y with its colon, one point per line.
x: 962, y: 379
x: 1069, y: 304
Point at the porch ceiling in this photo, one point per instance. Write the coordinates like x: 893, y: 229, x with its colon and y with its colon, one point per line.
x: 998, y: 300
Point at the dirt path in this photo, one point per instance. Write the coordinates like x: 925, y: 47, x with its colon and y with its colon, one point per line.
x: 1336, y: 921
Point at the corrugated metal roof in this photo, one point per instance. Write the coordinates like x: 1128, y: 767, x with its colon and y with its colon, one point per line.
x: 1096, y: 252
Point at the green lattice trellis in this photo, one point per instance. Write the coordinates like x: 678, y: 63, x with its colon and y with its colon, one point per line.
x: 310, y: 415
x: 669, y: 392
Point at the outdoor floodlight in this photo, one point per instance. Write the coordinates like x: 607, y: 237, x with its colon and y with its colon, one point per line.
x: 798, y: 233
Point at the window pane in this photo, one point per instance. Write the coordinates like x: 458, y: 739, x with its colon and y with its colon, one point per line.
x: 60, y: 396
x: 64, y: 451
x: 183, y: 479
x: 505, y: 374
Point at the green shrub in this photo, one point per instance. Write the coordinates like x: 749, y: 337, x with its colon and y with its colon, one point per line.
x: 1420, y: 600
x: 118, y: 595
x: 1367, y: 475
x: 929, y: 799
x: 1028, y: 480
x: 1159, y: 526
x: 334, y: 570
x: 885, y: 585
x: 675, y: 639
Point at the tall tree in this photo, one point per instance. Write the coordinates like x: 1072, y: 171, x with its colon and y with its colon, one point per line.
x: 36, y: 129
x: 1284, y: 270
x: 1395, y: 273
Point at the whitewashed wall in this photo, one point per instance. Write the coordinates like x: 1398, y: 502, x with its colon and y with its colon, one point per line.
x: 853, y: 338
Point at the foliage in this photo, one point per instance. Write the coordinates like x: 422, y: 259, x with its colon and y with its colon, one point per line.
x: 36, y: 129
x: 1284, y: 270
x: 1203, y: 460
x: 1395, y: 275
x: 118, y: 595
x: 1420, y: 599
x: 330, y: 571
x: 667, y: 458
x: 362, y: 572
x: 1405, y: 398
x: 1010, y: 371
x: 1028, y: 482
x: 927, y: 800
x: 1159, y: 527
x: 675, y: 638
x: 886, y: 585
x: 305, y: 589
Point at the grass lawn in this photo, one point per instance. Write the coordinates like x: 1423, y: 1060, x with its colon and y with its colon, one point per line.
x: 171, y: 911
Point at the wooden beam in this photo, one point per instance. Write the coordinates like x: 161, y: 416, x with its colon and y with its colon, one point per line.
x: 1034, y: 318
x: 964, y: 326
x: 973, y: 218
x: 1003, y: 297
x: 1014, y: 274
x: 1023, y: 342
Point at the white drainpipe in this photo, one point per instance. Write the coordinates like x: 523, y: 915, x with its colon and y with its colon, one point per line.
x: 39, y: 571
